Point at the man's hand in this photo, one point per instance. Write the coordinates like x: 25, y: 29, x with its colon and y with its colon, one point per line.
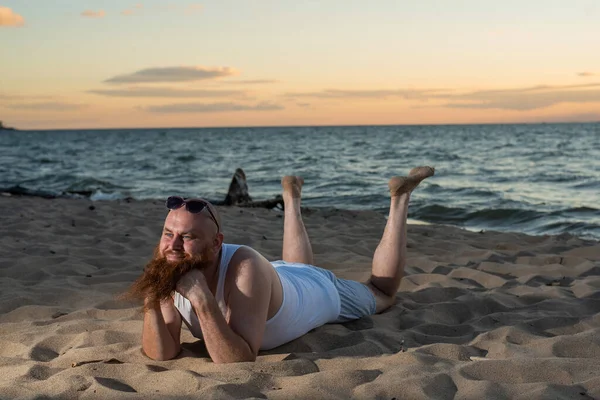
x: 193, y: 287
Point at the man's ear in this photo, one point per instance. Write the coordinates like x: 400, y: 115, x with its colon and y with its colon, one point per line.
x: 218, y: 241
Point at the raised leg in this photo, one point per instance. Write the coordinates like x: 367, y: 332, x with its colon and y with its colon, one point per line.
x: 296, y: 245
x: 390, y: 256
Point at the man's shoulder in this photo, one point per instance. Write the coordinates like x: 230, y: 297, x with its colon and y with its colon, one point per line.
x: 242, y: 252
x: 247, y: 260
x: 247, y: 267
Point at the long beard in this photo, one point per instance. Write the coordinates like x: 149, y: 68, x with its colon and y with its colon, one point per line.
x: 160, y: 276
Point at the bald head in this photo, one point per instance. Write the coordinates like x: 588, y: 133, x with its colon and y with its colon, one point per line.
x: 214, y: 212
x: 207, y: 220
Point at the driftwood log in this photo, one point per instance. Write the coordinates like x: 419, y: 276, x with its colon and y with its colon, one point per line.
x: 237, y: 195
x: 238, y: 190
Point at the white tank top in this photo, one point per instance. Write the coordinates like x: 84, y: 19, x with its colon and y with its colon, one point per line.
x: 310, y: 299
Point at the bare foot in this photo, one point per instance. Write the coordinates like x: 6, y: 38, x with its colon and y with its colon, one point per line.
x: 292, y: 185
x: 425, y: 172
x: 405, y: 184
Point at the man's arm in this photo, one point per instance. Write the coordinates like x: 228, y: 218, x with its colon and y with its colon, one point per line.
x: 248, y: 301
x: 162, y: 330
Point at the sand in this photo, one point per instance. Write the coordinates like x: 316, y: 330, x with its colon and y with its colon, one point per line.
x: 479, y: 314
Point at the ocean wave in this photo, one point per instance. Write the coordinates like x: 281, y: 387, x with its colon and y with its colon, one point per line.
x: 185, y: 158
x: 493, y: 217
x: 66, y: 185
x: 592, y: 184
x: 434, y: 188
x: 580, y: 211
x: 89, y: 183
x: 99, y: 195
x: 582, y: 221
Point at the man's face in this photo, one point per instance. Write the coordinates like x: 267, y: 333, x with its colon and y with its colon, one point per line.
x: 189, y: 241
x: 186, y: 235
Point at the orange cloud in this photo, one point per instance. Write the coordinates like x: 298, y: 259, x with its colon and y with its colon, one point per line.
x: 134, y: 10
x: 93, y: 14
x: 172, y: 74
x: 46, y: 106
x: 410, y: 94
x: 251, y: 82
x: 213, y: 107
x: 517, y: 99
x: 585, y: 74
x: 193, y: 8
x: 9, y: 18
x: 167, y: 92
x: 524, y: 99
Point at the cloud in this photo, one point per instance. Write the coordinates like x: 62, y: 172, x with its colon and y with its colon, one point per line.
x: 9, y: 18
x: 172, y: 74
x: 193, y: 8
x: 582, y: 118
x: 212, y: 107
x: 367, y: 94
x: 186, y: 9
x: 93, y: 14
x: 585, y: 74
x: 515, y: 99
x: 536, y: 88
x: 166, y: 92
x: 46, y: 106
x: 18, y: 97
x: 525, y: 99
x: 134, y: 10
x: 251, y: 82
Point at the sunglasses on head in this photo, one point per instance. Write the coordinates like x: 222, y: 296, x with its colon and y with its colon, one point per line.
x: 193, y: 206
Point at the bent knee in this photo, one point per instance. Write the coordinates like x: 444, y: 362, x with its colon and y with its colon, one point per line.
x: 382, y: 300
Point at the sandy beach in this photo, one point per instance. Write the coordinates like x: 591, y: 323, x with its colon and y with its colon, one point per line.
x: 479, y: 314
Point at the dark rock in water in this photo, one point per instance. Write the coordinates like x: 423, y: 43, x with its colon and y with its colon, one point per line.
x: 21, y: 191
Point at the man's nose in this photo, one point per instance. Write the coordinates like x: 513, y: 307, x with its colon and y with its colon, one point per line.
x: 176, y: 242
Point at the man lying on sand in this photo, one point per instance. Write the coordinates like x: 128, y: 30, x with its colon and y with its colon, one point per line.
x: 239, y: 302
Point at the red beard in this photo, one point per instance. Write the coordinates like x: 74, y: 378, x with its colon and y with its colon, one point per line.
x: 161, y: 276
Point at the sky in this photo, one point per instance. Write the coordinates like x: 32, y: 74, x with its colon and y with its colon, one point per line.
x: 113, y: 64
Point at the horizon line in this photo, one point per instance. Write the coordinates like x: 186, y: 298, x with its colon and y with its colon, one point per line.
x: 306, y: 126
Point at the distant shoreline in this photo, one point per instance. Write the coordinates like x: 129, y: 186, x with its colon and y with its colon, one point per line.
x: 6, y: 128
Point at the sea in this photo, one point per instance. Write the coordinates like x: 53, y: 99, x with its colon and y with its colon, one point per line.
x: 540, y: 179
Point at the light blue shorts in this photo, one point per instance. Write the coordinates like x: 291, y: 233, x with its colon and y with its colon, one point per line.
x: 356, y: 299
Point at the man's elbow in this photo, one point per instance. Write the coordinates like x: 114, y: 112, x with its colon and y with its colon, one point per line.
x: 244, y: 358
x: 160, y: 356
